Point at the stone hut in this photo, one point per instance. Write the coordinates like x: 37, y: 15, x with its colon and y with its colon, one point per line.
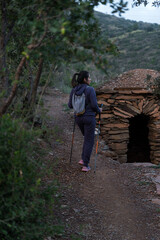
x: 130, y: 121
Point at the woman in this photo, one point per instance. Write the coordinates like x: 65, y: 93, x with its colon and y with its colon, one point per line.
x: 86, y: 121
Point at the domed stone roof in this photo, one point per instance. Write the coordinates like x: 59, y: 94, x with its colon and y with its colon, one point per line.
x: 136, y: 78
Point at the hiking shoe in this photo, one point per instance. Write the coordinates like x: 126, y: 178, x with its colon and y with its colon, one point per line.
x: 81, y: 162
x: 86, y: 169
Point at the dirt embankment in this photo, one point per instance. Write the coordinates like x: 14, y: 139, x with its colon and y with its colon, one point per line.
x: 115, y: 203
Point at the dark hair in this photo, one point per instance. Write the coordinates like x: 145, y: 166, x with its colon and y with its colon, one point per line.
x: 78, y: 78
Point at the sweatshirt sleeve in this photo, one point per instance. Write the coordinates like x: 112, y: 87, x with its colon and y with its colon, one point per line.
x: 93, y: 100
x: 70, y: 99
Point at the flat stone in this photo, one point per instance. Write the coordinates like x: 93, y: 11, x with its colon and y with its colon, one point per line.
x: 119, y: 146
x: 156, y: 201
x: 157, y: 179
x: 149, y: 175
x: 109, y: 153
x: 105, y: 147
x: 64, y: 206
x: 144, y: 164
x: 117, y: 125
x: 158, y: 188
x: 129, y: 97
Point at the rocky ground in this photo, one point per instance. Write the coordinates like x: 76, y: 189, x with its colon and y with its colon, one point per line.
x: 117, y: 202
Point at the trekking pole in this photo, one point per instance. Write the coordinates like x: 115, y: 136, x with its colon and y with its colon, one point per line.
x: 72, y: 139
x: 99, y: 122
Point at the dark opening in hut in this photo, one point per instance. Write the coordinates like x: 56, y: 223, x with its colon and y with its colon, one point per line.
x: 138, y: 146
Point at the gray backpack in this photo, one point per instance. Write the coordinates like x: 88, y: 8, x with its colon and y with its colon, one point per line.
x: 78, y: 103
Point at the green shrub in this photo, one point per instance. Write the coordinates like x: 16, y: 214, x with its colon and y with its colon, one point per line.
x: 24, y: 200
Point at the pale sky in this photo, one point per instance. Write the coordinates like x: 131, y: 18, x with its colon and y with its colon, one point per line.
x: 146, y: 14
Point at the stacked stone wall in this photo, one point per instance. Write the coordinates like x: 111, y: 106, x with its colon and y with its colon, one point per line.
x: 121, y: 104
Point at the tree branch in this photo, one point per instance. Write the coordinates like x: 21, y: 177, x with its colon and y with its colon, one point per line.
x: 14, y: 88
x: 36, y: 82
x: 32, y: 45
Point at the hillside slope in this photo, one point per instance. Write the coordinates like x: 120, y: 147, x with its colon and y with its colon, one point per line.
x: 138, y: 43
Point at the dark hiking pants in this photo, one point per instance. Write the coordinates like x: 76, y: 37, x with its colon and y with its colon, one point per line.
x: 87, y: 126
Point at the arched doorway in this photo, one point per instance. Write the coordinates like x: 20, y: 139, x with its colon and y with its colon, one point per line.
x: 138, y: 146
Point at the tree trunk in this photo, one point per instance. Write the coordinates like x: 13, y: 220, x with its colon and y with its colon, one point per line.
x: 14, y: 88
x: 28, y: 92
x: 36, y: 82
x: 3, y: 64
x: 31, y: 80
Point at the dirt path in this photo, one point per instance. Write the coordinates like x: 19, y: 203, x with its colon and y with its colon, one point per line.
x: 112, y: 204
